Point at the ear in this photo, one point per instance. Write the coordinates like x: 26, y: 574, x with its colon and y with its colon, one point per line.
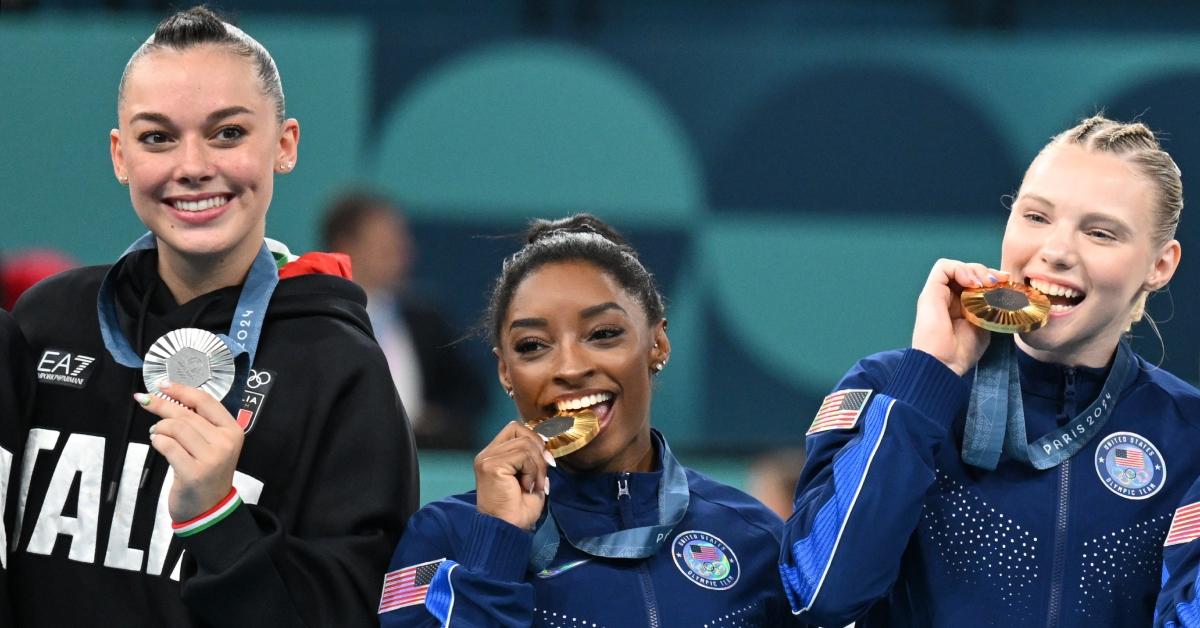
x: 502, y: 369
x: 660, y: 351
x: 118, y: 156
x: 289, y: 143
x: 1164, y: 266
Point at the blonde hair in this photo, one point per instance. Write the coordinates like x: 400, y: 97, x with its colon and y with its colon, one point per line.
x: 1135, y: 143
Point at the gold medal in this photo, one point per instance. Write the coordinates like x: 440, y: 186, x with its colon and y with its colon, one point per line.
x: 1007, y: 308
x: 567, y: 432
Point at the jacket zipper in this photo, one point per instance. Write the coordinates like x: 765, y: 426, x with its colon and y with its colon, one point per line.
x: 625, y: 501
x: 1054, y: 609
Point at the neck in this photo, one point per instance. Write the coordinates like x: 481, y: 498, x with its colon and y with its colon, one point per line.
x: 1092, y: 355
x: 636, y: 457
x: 190, y: 277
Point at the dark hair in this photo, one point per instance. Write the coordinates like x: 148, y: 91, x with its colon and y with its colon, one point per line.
x: 581, y: 237
x: 198, y: 26
x: 348, y: 212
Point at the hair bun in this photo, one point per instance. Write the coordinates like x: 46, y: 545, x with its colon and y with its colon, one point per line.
x: 578, y: 223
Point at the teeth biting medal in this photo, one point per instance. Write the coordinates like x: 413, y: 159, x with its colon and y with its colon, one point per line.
x: 1007, y: 308
x: 567, y: 431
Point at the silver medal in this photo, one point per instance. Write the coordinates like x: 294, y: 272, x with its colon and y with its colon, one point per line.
x: 190, y: 356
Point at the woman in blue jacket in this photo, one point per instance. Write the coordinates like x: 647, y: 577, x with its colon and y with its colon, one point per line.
x: 617, y: 533
x: 985, y: 479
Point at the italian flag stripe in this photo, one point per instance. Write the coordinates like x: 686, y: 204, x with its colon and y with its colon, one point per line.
x: 210, y: 517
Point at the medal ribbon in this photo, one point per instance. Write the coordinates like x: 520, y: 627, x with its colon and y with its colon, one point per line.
x: 244, y: 331
x: 996, y: 416
x: 673, y: 500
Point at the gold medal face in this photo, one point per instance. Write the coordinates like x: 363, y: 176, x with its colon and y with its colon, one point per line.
x: 1007, y: 308
x: 567, y: 432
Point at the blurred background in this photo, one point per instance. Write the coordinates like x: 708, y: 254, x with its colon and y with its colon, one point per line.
x: 788, y: 170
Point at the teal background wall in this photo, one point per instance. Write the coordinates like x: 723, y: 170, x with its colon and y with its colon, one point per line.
x: 789, y: 189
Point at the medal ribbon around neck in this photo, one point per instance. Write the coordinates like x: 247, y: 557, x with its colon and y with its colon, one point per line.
x: 673, y: 500
x: 996, y: 416
x: 244, y: 331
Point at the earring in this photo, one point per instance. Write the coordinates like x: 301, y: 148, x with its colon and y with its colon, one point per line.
x: 510, y: 392
x: 658, y: 366
x: 286, y: 166
x: 123, y: 180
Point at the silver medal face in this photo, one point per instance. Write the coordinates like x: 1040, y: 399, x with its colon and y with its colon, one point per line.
x: 190, y: 356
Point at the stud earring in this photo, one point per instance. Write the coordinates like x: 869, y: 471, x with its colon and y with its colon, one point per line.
x: 124, y: 180
x: 658, y: 366
x: 510, y: 392
x: 286, y: 166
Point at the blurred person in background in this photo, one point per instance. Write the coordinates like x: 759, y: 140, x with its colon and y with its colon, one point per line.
x: 443, y: 393
x: 615, y: 532
x: 983, y: 478
x: 773, y: 477
x: 19, y: 271
x: 266, y: 477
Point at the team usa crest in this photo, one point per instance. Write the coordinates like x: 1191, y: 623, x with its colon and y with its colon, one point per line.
x: 705, y: 560
x: 1130, y: 465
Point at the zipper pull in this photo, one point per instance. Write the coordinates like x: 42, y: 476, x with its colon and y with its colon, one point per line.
x: 623, y: 486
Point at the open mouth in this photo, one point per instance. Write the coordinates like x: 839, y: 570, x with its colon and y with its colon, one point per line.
x: 200, y: 205
x: 599, y: 403
x: 1063, y: 299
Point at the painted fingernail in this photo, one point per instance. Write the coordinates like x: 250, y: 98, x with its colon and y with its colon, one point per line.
x: 547, y: 486
x: 993, y: 278
x: 153, y: 428
x: 142, y: 398
x: 166, y: 383
x: 549, y: 458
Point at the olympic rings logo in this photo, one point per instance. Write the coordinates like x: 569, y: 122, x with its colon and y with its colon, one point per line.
x: 258, y: 379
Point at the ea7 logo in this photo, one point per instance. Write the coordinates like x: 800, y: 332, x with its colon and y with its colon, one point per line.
x: 64, y: 368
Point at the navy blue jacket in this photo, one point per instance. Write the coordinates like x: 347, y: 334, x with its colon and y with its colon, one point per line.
x: 1179, y: 602
x: 892, y: 529
x: 486, y: 580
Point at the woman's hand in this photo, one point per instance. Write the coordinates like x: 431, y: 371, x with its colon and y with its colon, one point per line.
x: 940, y: 329
x: 201, y: 445
x: 510, y: 476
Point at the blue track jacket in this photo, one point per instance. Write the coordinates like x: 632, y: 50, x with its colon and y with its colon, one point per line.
x: 475, y: 567
x: 891, y: 528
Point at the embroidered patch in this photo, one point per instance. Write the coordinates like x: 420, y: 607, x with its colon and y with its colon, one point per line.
x: 64, y: 368
x: 258, y: 384
x: 1130, y: 465
x: 407, y: 586
x: 1185, y: 527
x: 840, y: 410
x: 550, y: 572
x: 705, y: 560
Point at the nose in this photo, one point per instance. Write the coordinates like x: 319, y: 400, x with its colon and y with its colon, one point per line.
x: 195, y: 164
x: 1058, y: 249
x: 572, y: 367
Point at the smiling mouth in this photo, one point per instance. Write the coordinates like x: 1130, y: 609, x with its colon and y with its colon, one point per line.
x: 1062, y: 298
x: 199, y: 206
x: 587, y: 401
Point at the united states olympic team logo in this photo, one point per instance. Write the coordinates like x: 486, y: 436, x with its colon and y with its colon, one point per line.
x: 1130, y: 465
x: 705, y: 560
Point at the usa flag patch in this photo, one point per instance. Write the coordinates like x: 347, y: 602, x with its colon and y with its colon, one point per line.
x: 407, y: 586
x: 840, y: 410
x: 1185, y: 526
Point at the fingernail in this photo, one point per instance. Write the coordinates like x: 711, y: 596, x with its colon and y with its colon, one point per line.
x: 166, y: 383
x: 993, y: 278
x: 152, y: 428
x: 547, y: 486
x: 545, y: 439
x: 142, y: 398
x: 978, y: 284
x: 549, y: 458
x: 532, y: 485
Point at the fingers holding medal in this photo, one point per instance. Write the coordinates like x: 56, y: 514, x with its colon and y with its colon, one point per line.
x: 511, y: 478
x: 941, y: 329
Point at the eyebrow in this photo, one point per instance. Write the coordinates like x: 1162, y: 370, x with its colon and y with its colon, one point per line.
x: 586, y: 313
x: 1041, y: 199
x: 212, y: 118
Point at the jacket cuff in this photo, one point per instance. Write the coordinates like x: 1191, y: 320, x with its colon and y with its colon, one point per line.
x: 497, y: 549
x: 930, y: 387
x: 222, y: 544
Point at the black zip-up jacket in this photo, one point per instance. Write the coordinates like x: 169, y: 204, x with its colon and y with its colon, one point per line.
x: 328, y: 469
x: 16, y: 394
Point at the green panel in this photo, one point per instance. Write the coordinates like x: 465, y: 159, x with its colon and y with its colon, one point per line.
x: 811, y: 295
x: 57, y: 186
x: 538, y: 129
